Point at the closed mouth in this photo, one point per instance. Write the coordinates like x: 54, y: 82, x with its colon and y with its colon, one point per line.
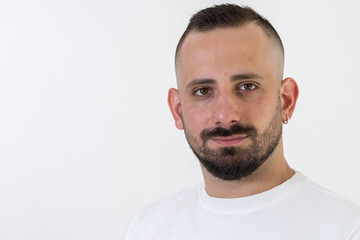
x: 229, y: 141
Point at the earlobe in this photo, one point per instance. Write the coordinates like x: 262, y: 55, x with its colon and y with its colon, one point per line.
x: 175, y: 108
x: 289, y: 93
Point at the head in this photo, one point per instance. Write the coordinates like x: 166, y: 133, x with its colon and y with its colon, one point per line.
x: 229, y: 16
x: 231, y: 98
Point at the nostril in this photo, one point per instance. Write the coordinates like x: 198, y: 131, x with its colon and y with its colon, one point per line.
x: 226, y: 117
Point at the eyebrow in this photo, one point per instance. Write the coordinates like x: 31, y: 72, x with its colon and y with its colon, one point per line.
x: 242, y: 76
x: 245, y: 76
x: 200, y: 82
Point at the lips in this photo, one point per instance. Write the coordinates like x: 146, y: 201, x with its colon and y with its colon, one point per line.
x: 229, y: 141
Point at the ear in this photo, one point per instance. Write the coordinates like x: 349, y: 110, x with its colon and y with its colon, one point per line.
x: 289, y: 93
x: 175, y: 108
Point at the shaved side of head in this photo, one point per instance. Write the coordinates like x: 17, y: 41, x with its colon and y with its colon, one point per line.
x: 230, y: 16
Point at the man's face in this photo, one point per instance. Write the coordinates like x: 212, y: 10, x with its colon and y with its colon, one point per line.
x: 229, y: 99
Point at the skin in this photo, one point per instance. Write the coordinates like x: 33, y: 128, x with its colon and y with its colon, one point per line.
x: 233, y: 75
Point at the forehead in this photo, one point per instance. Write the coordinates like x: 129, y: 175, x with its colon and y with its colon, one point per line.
x: 234, y: 50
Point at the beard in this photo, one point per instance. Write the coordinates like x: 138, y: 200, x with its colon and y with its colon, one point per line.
x: 236, y: 162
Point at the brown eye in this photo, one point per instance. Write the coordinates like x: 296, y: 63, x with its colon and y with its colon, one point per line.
x: 202, y: 91
x: 247, y: 86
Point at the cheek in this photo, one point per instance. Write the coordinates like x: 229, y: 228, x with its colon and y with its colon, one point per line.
x: 261, y: 110
x: 265, y: 112
x: 196, y: 119
x: 256, y: 109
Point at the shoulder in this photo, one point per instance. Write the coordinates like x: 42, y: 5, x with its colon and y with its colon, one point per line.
x: 156, y: 214
x: 171, y: 204
x: 187, y: 195
x: 320, y: 195
x: 326, y: 207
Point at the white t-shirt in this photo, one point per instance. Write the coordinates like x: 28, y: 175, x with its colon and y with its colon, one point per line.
x: 296, y: 209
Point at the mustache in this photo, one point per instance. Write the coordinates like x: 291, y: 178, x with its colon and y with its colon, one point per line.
x: 206, y: 134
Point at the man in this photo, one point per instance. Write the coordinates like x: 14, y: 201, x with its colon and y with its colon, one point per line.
x: 232, y: 102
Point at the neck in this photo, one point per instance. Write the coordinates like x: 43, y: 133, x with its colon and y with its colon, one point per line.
x: 273, y: 172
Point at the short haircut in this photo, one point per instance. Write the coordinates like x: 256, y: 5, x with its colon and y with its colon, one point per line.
x: 224, y: 16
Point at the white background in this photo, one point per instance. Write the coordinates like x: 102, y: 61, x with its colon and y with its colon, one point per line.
x: 86, y: 137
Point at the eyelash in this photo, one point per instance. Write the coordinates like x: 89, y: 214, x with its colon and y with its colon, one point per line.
x: 196, y: 92
x: 254, y: 86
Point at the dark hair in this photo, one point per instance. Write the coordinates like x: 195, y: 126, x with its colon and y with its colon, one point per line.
x: 227, y: 15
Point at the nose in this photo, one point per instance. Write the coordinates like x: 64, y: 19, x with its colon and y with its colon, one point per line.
x: 226, y: 111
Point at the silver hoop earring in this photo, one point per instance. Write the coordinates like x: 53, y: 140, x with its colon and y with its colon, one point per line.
x: 287, y: 120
